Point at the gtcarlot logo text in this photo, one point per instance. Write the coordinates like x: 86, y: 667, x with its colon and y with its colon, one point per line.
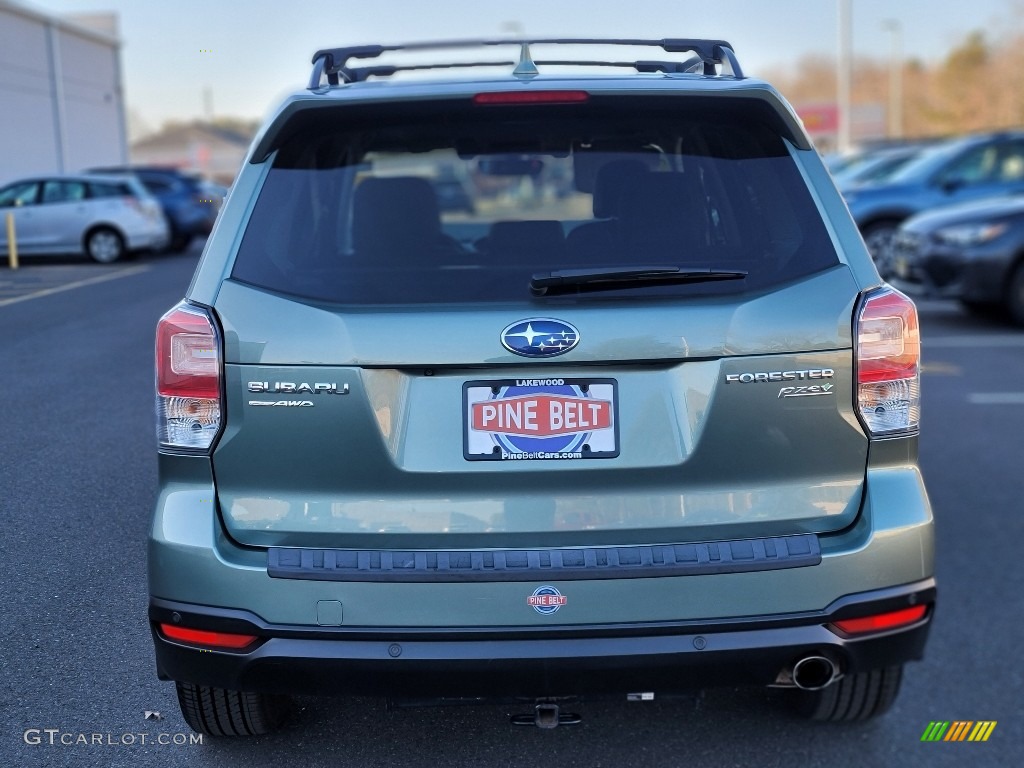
x: 55, y: 737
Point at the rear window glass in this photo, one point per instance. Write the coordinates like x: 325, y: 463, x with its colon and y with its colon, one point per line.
x: 156, y: 186
x: 63, y: 191
x: 450, y: 202
x: 103, y: 189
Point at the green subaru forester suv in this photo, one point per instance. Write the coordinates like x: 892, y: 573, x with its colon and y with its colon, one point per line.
x: 565, y: 377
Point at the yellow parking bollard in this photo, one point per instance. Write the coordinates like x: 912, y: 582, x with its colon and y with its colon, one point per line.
x: 12, y: 243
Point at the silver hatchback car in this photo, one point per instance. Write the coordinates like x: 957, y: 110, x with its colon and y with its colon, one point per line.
x: 104, y: 217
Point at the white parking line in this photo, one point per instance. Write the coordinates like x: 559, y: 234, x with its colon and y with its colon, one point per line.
x: 974, y: 340
x: 127, y: 272
x: 940, y: 368
x: 996, y: 398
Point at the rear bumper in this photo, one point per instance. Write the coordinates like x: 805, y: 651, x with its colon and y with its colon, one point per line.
x: 148, y: 235
x: 149, y: 241
x: 534, y: 662
x: 192, y: 219
x: 484, y: 638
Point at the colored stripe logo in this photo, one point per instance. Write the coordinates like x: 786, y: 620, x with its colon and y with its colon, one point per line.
x: 959, y: 730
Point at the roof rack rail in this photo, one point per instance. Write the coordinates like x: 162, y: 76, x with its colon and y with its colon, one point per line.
x: 709, y: 54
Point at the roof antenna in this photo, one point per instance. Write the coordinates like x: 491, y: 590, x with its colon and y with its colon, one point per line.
x: 525, y: 67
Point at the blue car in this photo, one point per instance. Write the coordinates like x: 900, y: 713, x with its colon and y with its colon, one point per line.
x: 972, y: 252
x: 956, y: 171
x: 189, y: 207
x: 874, y: 167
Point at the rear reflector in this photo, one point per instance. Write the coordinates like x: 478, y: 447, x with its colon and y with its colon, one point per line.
x: 888, y: 358
x: 530, y: 97
x: 209, y: 639
x: 882, y: 621
x: 187, y: 378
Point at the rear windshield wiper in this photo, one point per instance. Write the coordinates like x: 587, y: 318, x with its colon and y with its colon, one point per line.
x: 613, y: 278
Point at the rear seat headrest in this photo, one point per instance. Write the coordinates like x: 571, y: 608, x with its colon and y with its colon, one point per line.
x: 393, y: 214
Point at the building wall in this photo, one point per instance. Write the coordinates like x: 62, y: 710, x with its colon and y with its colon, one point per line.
x: 51, y: 124
x: 95, y: 134
x: 28, y: 134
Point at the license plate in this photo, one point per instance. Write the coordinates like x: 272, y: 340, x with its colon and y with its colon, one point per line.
x: 540, y: 419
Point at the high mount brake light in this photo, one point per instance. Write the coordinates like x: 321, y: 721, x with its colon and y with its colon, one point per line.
x: 882, y: 621
x: 187, y: 379
x: 509, y: 98
x: 888, y: 360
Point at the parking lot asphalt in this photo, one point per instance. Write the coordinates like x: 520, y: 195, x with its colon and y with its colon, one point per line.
x: 38, y: 279
x: 77, y: 481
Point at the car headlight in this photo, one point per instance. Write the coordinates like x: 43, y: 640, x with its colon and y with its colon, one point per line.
x: 970, y: 234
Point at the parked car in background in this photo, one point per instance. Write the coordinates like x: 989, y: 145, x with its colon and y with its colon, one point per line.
x: 836, y: 162
x: 213, y: 193
x: 973, y: 252
x: 104, y: 217
x: 955, y: 171
x: 644, y: 418
x: 451, y: 194
x: 874, y: 166
x: 189, y: 206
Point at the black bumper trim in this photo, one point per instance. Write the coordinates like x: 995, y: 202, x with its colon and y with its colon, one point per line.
x: 534, y: 661
x: 566, y: 564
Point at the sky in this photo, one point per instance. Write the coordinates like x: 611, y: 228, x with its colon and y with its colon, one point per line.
x: 249, y: 53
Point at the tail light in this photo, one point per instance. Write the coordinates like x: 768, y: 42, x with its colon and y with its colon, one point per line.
x: 187, y: 379
x: 888, y: 363
x: 152, y: 209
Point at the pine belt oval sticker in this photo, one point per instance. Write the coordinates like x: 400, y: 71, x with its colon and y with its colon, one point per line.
x: 546, y: 600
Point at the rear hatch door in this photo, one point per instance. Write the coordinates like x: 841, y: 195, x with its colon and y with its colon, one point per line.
x: 402, y: 375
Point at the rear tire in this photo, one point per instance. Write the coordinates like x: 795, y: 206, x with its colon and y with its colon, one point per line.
x: 105, y: 245
x: 1015, y: 296
x: 979, y: 307
x: 219, y: 712
x: 860, y: 696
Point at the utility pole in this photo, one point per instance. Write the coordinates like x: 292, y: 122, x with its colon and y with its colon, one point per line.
x: 895, y: 78
x: 844, y: 75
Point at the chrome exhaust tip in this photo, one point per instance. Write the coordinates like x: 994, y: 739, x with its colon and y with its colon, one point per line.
x: 812, y: 673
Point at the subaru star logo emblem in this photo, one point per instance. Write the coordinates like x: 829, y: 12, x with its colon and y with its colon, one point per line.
x: 539, y: 337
